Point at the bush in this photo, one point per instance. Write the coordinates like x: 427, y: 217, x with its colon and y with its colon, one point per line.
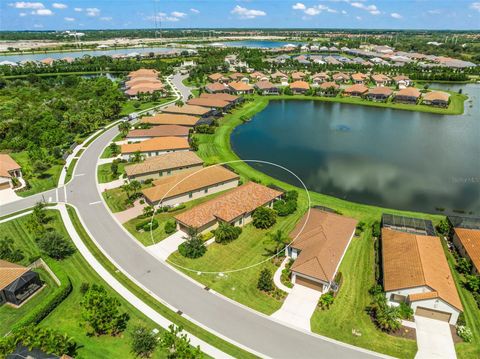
x: 206, y: 129
x: 55, y: 245
x: 443, y: 227
x: 376, y: 229
x: 226, y: 232
x: 326, y: 300
x: 406, y: 312
x: 263, y: 217
x: 472, y: 282
x: 8, y: 252
x: 476, y: 296
x: 147, y: 225
x: 177, y: 208
x: 464, y: 266
x: 170, y: 227
x: 144, y: 342
x: 193, y: 248
x: 465, y: 333
x: 461, y: 319
x: 84, y: 287
x: 265, y: 281
x: 359, y: 228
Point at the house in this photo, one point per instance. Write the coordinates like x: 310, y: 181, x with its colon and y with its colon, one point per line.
x: 436, y: 98
x: 216, y: 87
x: 259, y: 76
x: 17, y: 283
x: 379, y: 93
x: 466, y: 238
x: 165, y: 165
x: 280, y: 77
x: 340, y: 77
x: 298, y: 76
x: 154, y: 147
x: 158, y: 131
x: 217, y: 77
x: 236, y: 76
x: 234, y: 100
x: 211, y: 103
x: 143, y: 73
x: 144, y: 87
x: 234, y: 207
x: 240, y: 88
x: 416, y: 272
x: 329, y: 88
x: 267, y: 88
x: 409, y: 95
x: 357, y: 90
x: 189, y: 110
x: 319, y: 78
x: 47, y: 61
x: 9, y: 169
x: 143, y: 81
x: 171, y: 119
x: 402, y: 81
x: 189, y: 185
x: 359, y: 78
x: 319, y: 242
x: 381, y: 79
x: 332, y: 60
x: 299, y: 87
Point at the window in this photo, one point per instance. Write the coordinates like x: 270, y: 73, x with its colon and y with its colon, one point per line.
x: 190, y: 195
x: 240, y: 221
x: 398, y: 298
x: 206, y: 190
x: 169, y: 172
x: 160, y: 173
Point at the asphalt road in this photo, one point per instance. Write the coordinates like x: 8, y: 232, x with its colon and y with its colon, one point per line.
x: 185, y: 91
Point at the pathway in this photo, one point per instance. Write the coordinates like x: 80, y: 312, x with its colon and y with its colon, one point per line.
x: 278, y: 275
x: 162, y: 250
x: 434, y: 339
x: 112, y: 184
x: 130, y: 213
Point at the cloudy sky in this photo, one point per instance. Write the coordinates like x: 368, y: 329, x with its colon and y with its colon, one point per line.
x: 114, y: 14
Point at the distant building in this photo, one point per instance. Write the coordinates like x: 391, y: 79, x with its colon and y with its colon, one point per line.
x: 9, y: 169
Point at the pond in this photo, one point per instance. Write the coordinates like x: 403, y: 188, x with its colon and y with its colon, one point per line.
x: 261, y: 44
x: 390, y: 158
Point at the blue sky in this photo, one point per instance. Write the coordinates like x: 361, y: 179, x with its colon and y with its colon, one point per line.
x: 113, y: 14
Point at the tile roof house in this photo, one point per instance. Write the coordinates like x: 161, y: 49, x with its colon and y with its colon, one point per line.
x: 235, y: 207
x: 299, y: 87
x: 436, y: 98
x: 223, y: 96
x: 359, y: 78
x: 340, y: 77
x: 319, y: 78
x: 297, y: 76
x: 416, y: 271
x: 17, y: 283
x: 158, y: 131
x: 267, y: 88
x: 356, y: 90
x: 279, y: 77
x: 165, y: 165
x: 379, y: 93
x: 155, y: 147
x: 320, y: 240
x: 188, y: 110
x: 402, y: 81
x: 466, y: 238
x: 212, y: 103
x: 189, y: 185
x: 216, y: 87
x: 171, y: 119
x: 381, y: 79
x: 408, y: 95
x: 9, y: 169
x: 240, y: 88
x: 143, y: 81
x: 217, y: 77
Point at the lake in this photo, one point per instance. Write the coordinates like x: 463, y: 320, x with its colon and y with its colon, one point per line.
x: 390, y: 158
x: 261, y: 44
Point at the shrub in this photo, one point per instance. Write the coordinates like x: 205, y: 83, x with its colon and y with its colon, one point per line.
x: 465, y: 333
x: 170, y: 227
x: 461, y: 319
x: 406, y: 312
x: 84, y: 287
x: 177, y: 208
x: 443, y: 227
x: 464, y: 266
x: 226, y: 232
x: 359, y: 228
x: 265, y: 280
x: 476, y: 296
x: 8, y: 252
x: 472, y: 282
x: 326, y: 300
x: 206, y: 129
x: 144, y: 342
x: 263, y: 217
x: 55, y: 245
x: 193, y: 247
x: 376, y: 229
x: 147, y: 225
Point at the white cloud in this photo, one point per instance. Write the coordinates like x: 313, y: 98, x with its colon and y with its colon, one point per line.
x: 372, y: 9
x: 178, y: 14
x: 27, y: 5
x: 244, y: 13
x: 42, y: 12
x: 161, y: 16
x: 195, y: 11
x: 475, y: 6
x: 38, y: 26
x: 358, y: 17
x: 69, y: 18
x: 57, y: 5
x: 434, y: 12
x: 106, y: 18
x: 344, y: 12
x: 78, y: 9
x: 396, y: 15
x: 312, y: 11
x: 92, y: 11
x: 22, y: 14
x: 298, y: 6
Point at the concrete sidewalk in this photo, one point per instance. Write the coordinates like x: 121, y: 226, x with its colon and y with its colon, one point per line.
x: 169, y: 245
x: 278, y: 274
x: 112, y: 184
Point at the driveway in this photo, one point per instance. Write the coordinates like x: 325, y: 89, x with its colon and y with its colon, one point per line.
x: 298, y: 307
x: 8, y: 195
x: 112, y: 184
x: 169, y: 245
x: 130, y: 213
x: 184, y: 91
x: 434, y: 339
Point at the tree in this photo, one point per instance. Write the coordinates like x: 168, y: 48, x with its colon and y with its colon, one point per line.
x: 8, y: 252
x: 376, y: 229
x: 472, y: 282
x: 178, y: 344
x: 194, y: 143
x: 114, y: 169
x: 263, y: 217
x: 326, y: 300
x: 464, y: 265
x: 124, y: 127
x: 170, y: 227
x: 179, y: 103
x: 114, y: 149
x: 137, y: 157
x: 443, y: 227
x: 101, y: 313
x: 39, y: 213
x: 280, y: 240
x: 40, y: 167
x: 135, y: 185
x: 226, y: 232
x: 55, y: 245
x: 193, y: 247
x: 265, y: 280
x: 144, y: 342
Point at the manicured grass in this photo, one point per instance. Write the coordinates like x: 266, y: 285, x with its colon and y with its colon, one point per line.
x: 149, y: 300
x: 107, y: 153
x: 37, y: 184
x: 67, y: 316
x: 104, y: 173
x: 79, y: 152
x: 128, y: 107
x: 116, y: 198
x: 70, y: 169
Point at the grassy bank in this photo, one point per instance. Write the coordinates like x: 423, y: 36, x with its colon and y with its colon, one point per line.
x: 105, y: 175
x: 70, y: 169
x: 136, y: 106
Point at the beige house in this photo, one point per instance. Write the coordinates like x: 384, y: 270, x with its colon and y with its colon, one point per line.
x: 9, y: 169
x: 155, y: 147
x: 158, y: 131
x: 171, y: 119
x: 189, y: 185
x: 165, y: 165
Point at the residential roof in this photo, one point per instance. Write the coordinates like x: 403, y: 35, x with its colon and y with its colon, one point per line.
x: 9, y: 272
x: 327, y: 85
x: 236, y: 75
x: 380, y: 90
x: 257, y: 74
x: 320, y: 75
x: 322, y: 243
x: 278, y: 74
x: 221, y: 96
x: 401, y: 78
x: 7, y: 164
x: 436, y: 96
x: 357, y: 88
x: 340, y: 75
x: 156, y: 144
x: 187, y: 110
x: 240, y: 86
x: 300, y: 85
x: 359, y: 76
x: 228, y: 206
x: 170, y: 119
x: 144, y: 87
x: 470, y: 240
x: 188, y: 181
x: 165, y: 162
x: 143, y: 73
x: 216, y: 76
x: 409, y: 92
x: 380, y: 78
x: 412, y: 260
x: 215, y: 87
x: 138, y: 80
x: 160, y: 131
x: 298, y: 75
x: 210, y: 102
x: 265, y: 85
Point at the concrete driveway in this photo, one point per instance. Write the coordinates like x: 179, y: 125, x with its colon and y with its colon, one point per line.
x: 169, y: 245
x: 8, y: 195
x: 298, y: 307
x: 434, y: 339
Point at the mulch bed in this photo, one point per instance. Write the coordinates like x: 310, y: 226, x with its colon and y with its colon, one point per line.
x: 405, y: 332
x: 456, y: 338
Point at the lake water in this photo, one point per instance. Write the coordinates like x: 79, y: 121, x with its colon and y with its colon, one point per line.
x: 385, y: 157
x: 264, y: 44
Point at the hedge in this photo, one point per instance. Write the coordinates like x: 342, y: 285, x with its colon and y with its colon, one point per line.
x: 148, y: 225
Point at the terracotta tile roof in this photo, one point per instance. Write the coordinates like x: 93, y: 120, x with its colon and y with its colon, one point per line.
x: 278, y: 74
x: 138, y: 80
x: 340, y: 75
x: 436, y: 96
x: 208, y: 102
x: 409, y: 92
x: 380, y: 78
x: 298, y: 75
x: 215, y: 77
x: 47, y: 61
x: 412, y: 260
x: 265, y: 85
x: 422, y: 296
x: 320, y: 75
x: 188, y: 181
x: 144, y: 87
x: 257, y: 75
x: 170, y: 119
x: 380, y: 91
x: 357, y: 88
x: 187, y: 110
x: 327, y: 85
x: 240, y: 86
x: 143, y: 73
x: 401, y: 78
x: 7, y: 164
x: 220, y: 96
x: 156, y: 144
x: 216, y: 87
x: 322, y: 243
x: 160, y: 131
x: 167, y: 161
x: 359, y: 76
x: 228, y: 206
x: 302, y: 85
x: 236, y: 76
x: 470, y: 240
x: 9, y: 272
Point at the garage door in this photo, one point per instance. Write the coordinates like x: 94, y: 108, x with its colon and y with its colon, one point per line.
x: 433, y: 314
x: 308, y: 283
x: 4, y: 185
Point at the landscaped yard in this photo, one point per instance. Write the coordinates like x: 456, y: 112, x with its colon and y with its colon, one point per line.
x: 116, y: 198
x: 129, y: 106
x: 104, y: 172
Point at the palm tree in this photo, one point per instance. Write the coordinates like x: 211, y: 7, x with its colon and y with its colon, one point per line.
x: 280, y: 240
x: 137, y: 157
x: 179, y: 103
x: 124, y: 127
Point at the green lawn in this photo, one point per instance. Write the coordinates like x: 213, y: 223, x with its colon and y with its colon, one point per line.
x: 70, y: 169
x: 105, y: 174
x: 67, y: 316
x: 107, y: 153
x: 116, y: 198
x: 37, y: 183
x: 128, y: 107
